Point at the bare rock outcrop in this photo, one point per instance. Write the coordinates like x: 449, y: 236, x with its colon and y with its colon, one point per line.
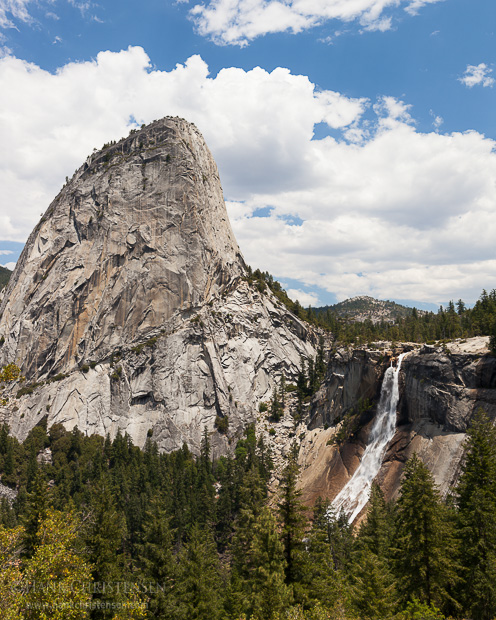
x: 129, y: 308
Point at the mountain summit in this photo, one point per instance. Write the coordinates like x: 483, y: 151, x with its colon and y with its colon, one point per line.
x: 129, y: 307
x: 140, y: 231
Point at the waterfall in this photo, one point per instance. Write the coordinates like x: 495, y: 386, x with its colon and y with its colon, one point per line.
x: 355, y: 493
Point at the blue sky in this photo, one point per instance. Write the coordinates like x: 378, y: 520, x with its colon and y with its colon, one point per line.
x: 355, y: 140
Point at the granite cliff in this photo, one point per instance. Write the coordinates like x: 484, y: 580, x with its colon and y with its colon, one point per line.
x: 441, y: 388
x: 129, y: 308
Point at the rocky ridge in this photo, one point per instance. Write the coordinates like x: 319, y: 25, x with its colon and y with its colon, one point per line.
x: 129, y: 308
x: 365, y: 308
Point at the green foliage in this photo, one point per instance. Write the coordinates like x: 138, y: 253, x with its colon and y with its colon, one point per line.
x: 211, y: 537
x: 293, y: 523
x: 268, y: 593
x: 373, y: 592
x: 57, y: 571
x: 10, y: 573
x: 222, y: 423
x: 415, y: 610
x: 199, y: 578
x: 8, y: 374
x: 4, y: 276
x: 476, y: 501
x: 447, y: 324
x: 426, y: 548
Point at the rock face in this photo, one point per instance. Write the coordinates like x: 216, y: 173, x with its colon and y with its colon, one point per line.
x: 441, y: 388
x: 139, y: 232
x: 447, y: 388
x: 353, y: 375
x: 129, y: 308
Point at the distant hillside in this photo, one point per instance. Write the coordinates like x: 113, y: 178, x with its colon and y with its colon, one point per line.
x: 4, y: 276
x: 363, y: 307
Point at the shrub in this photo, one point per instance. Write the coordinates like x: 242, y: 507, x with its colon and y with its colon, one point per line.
x: 116, y: 375
x: 222, y: 423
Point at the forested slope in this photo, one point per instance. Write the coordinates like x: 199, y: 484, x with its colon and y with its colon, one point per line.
x: 191, y: 538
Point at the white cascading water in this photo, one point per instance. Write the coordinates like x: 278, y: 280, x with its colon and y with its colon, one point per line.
x: 355, y: 494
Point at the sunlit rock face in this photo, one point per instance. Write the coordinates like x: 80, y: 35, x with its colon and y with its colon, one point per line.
x: 441, y: 388
x: 132, y: 285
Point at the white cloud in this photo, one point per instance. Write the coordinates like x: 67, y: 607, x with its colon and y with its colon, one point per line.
x: 5, y: 252
x: 9, y: 266
x: 240, y: 21
x: 13, y: 10
x: 305, y: 298
x: 477, y: 75
x: 392, y: 213
x: 438, y: 120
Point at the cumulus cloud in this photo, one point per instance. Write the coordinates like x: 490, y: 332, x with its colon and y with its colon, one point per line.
x: 240, y: 21
x: 477, y: 75
x: 392, y: 212
x: 9, y: 266
x: 305, y: 298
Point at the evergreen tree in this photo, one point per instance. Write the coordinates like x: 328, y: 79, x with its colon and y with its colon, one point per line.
x: 293, y: 522
x: 426, y: 547
x: 340, y: 536
x: 376, y: 532
x: 104, y: 539
x: 38, y: 505
x: 275, y: 410
x: 323, y: 583
x: 268, y: 593
x: 157, y: 562
x: 476, y: 500
x: 252, y: 497
x: 372, y: 587
x: 199, y: 578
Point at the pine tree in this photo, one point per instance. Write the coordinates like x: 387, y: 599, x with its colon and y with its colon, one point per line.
x: 38, y: 505
x: 340, y: 536
x: 275, y: 407
x: 252, y: 498
x: 199, y: 578
x: 205, y: 493
x: 376, y: 532
x: 268, y: 593
x: 157, y: 562
x: 426, y: 547
x: 104, y: 537
x: 372, y: 587
x: 476, y: 500
x: 323, y: 582
x: 293, y: 522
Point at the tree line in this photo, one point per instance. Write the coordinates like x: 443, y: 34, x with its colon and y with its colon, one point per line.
x: 104, y: 529
x: 453, y: 321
